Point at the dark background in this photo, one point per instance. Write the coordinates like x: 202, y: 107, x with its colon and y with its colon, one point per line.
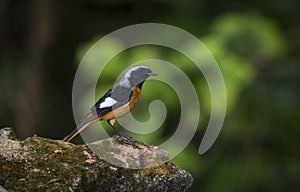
x: 256, y: 43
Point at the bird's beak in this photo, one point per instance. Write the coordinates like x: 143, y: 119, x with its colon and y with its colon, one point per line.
x: 152, y: 74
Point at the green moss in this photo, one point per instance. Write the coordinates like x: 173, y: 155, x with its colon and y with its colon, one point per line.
x: 58, y: 166
x: 50, y: 166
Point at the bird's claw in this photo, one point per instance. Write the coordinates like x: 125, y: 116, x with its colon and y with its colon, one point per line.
x: 126, y: 139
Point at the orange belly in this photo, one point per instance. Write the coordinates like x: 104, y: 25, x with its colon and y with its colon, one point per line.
x: 123, y: 110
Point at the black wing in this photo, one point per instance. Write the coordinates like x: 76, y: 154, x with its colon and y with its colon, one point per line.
x: 91, y: 117
x: 121, y: 95
x: 102, y: 111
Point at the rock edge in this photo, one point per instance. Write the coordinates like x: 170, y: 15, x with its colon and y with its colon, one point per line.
x: 40, y: 164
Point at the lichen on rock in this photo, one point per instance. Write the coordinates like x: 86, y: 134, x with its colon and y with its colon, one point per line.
x: 40, y: 164
x: 130, y: 154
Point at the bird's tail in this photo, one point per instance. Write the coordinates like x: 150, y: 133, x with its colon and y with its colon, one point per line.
x: 90, y: 118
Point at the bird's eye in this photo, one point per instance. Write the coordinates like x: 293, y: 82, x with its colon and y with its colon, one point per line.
x: 140, y: 70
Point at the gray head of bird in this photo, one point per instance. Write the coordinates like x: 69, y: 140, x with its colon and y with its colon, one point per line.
x: 135, y: 75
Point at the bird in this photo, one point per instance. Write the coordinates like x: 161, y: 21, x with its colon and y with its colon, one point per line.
x: 117, y: 101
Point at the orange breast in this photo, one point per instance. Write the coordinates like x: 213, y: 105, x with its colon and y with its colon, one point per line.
x: 123, y: 110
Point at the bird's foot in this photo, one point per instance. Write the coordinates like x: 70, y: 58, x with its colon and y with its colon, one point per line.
x: 126, y: 139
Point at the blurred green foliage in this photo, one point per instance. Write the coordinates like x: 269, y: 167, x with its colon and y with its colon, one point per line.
x: 239, y: 42
x: 236, y: 40
x: 255, y: 43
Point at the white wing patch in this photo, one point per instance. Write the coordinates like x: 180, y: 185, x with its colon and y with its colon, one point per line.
x: 108, y: 102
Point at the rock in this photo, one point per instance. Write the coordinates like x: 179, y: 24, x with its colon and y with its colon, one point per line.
x: 129, y: 153
x: 40, y: 164
x: 2, y: 189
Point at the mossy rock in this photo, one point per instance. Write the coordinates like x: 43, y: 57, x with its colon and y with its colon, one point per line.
x: 40, y: 164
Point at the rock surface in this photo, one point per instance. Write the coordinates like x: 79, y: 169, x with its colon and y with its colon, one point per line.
x: 39, y: 164
x: 129, y: 153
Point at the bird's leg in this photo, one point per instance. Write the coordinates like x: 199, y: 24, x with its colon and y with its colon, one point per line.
x: 118, y: 131
x: 121, y: 135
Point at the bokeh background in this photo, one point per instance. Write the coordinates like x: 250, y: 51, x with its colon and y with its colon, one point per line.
x: 256, y: 44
